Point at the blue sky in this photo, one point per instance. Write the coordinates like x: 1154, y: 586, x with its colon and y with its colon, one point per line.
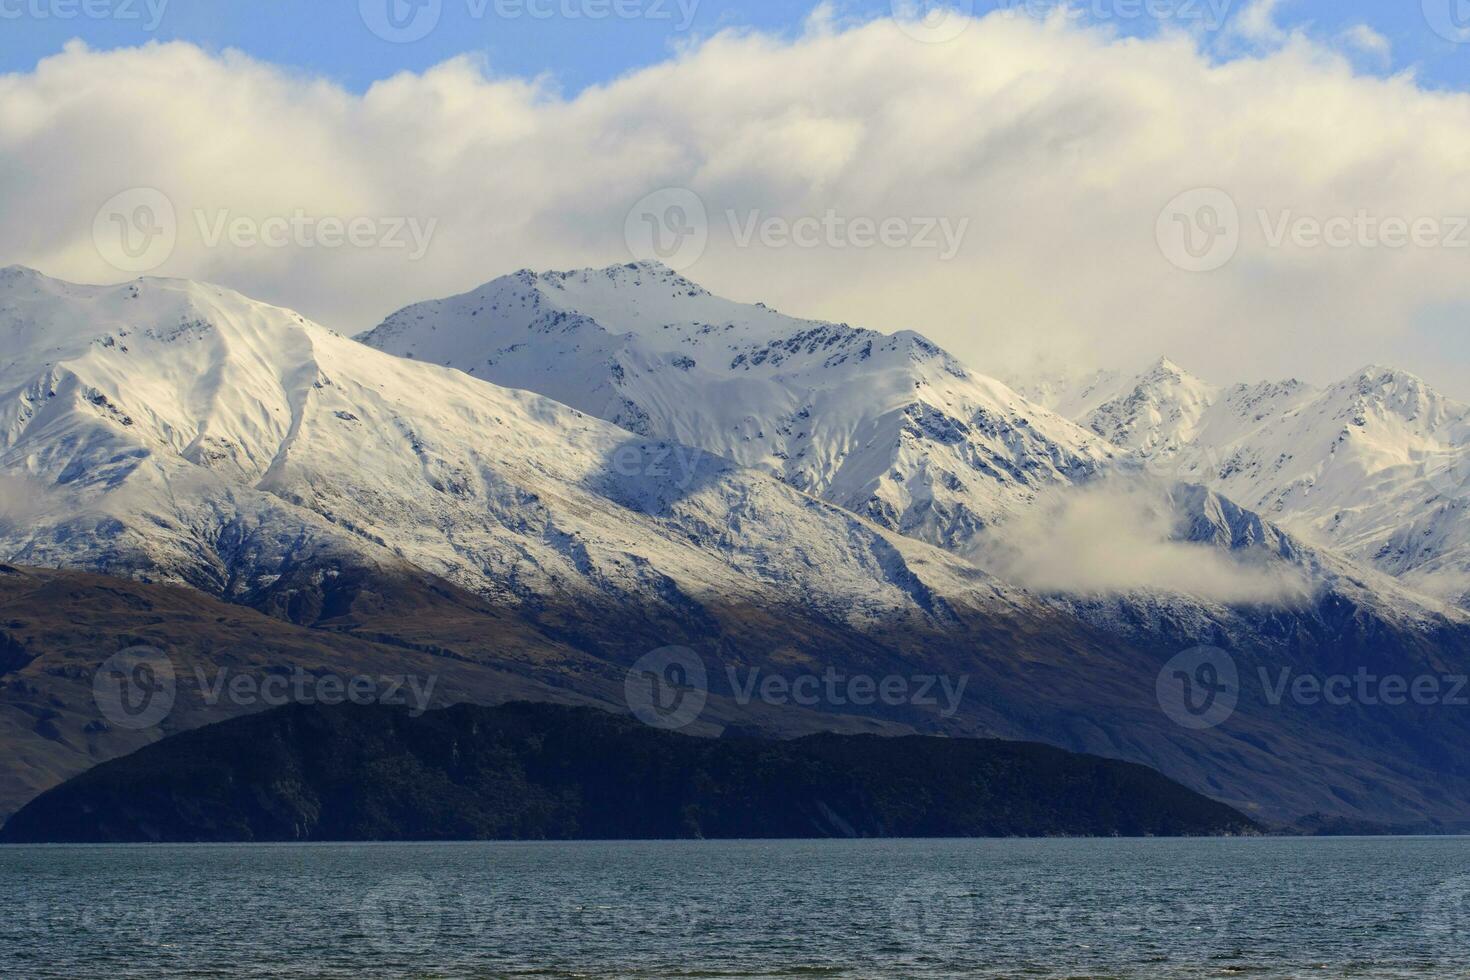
x: 328, y: 37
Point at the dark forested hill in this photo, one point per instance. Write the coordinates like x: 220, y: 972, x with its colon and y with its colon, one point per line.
x: 534, y: 771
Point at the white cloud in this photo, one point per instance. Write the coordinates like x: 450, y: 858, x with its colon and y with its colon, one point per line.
x: 1059, y: 143
x: 1118, y: 538
x: 1365, y: 39
x: 1257, y: 22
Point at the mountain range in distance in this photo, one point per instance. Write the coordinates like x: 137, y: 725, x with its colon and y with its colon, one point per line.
x: 1375, y: 466
x: 526, y: 488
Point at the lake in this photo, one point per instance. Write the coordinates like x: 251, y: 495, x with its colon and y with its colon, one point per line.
x: 1265, y: 907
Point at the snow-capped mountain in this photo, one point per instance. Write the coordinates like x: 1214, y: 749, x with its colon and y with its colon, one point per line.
x: 183, y: 431
x: 890, y: 427
x: 1158, y: 413
x: 1376, y: 466
x: 180, y: 431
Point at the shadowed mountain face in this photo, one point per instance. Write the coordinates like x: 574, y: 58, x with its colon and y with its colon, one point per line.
x: 1023, y: 675
x: 535, y: 771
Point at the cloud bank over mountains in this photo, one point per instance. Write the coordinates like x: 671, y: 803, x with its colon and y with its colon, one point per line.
x: 1056, y: 143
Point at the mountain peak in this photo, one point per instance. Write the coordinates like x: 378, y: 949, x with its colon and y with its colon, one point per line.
x: 622, y: 275
x: 14, y: 275
x: 1168, y: 370
x: 1384, y: 374
x: 1160, y: 408
x: 887, y: 425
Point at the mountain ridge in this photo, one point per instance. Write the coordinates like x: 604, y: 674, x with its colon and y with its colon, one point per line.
x: 180, y: 432
x: 920, y: 445
x: 1375, y: 465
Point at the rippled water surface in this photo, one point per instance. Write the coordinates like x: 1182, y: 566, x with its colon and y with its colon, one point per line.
x: 1052, y: 908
